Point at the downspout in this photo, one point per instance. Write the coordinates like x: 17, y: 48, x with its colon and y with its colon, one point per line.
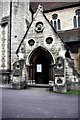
x: 10, y: 29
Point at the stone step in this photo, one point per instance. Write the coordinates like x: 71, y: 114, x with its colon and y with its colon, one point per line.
x: 39, y: 85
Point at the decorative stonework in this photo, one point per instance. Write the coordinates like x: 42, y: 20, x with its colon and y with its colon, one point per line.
x: 59, y: 81
x: 31, y: 42
x: 4, y: 46
x: 39, y: 27
x: 49, y: 40
x: 55, y: 16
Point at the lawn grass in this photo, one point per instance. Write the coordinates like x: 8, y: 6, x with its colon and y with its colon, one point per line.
x: 69, y: 92
x: 73, y: 92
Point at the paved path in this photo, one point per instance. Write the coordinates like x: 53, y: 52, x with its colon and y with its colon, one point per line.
x: 38, y: 103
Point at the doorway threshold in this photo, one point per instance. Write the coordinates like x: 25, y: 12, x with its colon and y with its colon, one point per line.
x: 39, y: 85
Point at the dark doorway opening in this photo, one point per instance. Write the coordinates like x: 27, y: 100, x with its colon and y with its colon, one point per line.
x: 42, y: 70
x: 41, y: 60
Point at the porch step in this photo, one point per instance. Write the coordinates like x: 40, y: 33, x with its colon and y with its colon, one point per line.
x: 39, y: 85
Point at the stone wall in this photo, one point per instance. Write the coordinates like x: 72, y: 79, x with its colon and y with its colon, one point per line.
x: 5, y: 35
x: 65, y: 16
x: 66, y: 20
x: 75, y: 57
x: 6, y: 8
x: 4, y: 43
x: 1, y: 10
x: 20, y: 13
x: 55, y: 48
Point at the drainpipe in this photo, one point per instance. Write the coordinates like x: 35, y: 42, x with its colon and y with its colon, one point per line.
x: 10, y: 24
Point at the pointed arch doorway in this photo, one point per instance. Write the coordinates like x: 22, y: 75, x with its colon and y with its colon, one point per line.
x: 40, y: 68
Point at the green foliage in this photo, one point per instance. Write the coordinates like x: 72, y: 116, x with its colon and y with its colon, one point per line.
x: 73, y: 92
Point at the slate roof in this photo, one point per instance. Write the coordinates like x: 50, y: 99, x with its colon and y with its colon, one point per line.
x: 72, y: 35
x: 49, y: 6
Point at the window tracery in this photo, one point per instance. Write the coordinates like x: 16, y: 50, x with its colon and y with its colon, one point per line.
x: 76, y: 18
x: 55, y: 22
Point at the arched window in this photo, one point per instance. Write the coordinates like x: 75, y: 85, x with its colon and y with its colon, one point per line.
x: 76, y: 18
x: 54, y: 17
x: 78, y: 21
x: 59, y: 26
x: 79, y: 59
x: 55, y: 24
x: 51, y: 22
x: 75, y: 22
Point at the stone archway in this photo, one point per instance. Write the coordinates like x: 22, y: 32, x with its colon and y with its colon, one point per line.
x: 40, y: 68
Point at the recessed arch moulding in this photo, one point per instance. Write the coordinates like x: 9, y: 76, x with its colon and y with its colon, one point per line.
x: 39, y: 50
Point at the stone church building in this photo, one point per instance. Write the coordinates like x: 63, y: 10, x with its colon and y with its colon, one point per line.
x: 40, y: 43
